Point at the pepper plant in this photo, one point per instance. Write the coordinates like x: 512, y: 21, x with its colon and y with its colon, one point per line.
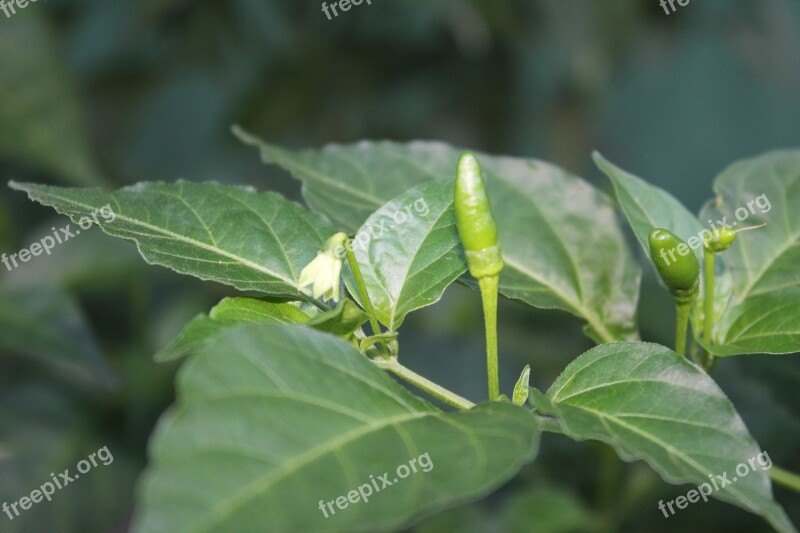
x: 295, y: 394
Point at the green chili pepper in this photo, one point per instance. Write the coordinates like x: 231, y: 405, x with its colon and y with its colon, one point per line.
x: 676, y: 264
x: 680, y: 270
x: 478, y: 233
x: 474, y: 219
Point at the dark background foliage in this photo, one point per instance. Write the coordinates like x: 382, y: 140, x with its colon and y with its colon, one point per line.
x: 112, y: 93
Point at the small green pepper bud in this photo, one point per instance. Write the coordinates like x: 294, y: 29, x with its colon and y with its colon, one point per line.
x: 676, y: 264
x: 474, y: 220
x: 720, y: 239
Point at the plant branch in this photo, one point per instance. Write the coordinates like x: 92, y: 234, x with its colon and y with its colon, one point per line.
x: 422, y: 383
x: 785, y: 478
x: 682, y: 311
x: 708, y: 321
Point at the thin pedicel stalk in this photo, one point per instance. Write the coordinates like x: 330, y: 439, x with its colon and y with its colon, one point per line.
x: 489, y: 288
x: 422, y: 383
x: 709, y: 265
x: 682, y: 311
x: 710, y: 280
x: 362, y: 287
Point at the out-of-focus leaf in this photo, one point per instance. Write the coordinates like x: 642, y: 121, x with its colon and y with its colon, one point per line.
x: 561, y: 241
x: 43, y: 431
x: 650, y: 403
x: 40, y: 117
x: 232, y: 235
x: 547, y: 509
x: 91, y: 262
x: 762, y: 315
x: 273, y: 421
x: 43, y: 321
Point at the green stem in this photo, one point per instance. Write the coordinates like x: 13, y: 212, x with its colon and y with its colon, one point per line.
x: 362, y: 287
x: 710, y: 257
x: 489, y: 287
x: 609, y: 484
x: 682, y: 311
x: 786, y: 479
x: 422, y: 383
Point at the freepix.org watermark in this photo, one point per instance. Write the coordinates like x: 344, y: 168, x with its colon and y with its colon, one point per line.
x: 59, y: 236
x: 418, y: 207
x: 696, y: 241
x: 364, y: 492
x: 9, y: 7
x: 343, y: 5
x: 760, y: 461
x: 48, y: 489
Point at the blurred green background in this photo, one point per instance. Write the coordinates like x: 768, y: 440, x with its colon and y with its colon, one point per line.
x: 112, y: 93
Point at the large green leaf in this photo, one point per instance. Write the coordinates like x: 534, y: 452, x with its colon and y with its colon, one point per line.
x: 229, y: 312
x: 271, y: 420
x: 40, y: 119
x: 233, y: 235
x: 649, y: 403
x: 409, y: 252
x: 762, y: 315
x: 561, y: 240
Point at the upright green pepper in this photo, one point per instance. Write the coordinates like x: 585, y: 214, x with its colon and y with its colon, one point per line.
x: 680, y: 270
x: 676, y: 264
x: 478, y: 233
x: 474, y: 220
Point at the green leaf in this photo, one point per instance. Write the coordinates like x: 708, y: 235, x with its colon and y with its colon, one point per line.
x: 647, y: 206
x: 342, y: 321
x: 271, y: 420
x: 233, y: 235
x: 229, y: 312
x: 237, y: 310
x: 762, y: 314
x: 409, y: 252
x: 40, y: 119
x: 651, y: 404
x: 561, y: 240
